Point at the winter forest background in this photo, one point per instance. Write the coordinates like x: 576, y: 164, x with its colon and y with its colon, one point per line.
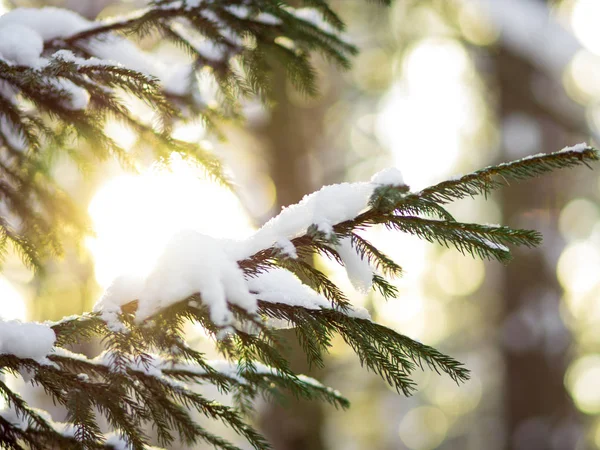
x: 440, y: 87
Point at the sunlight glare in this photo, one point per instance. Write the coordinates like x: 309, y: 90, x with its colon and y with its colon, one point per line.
x: 12, y: 305
x: 584, y: 19
x: 124, y: 136
x: 135, y: 215
x: 424, y: 114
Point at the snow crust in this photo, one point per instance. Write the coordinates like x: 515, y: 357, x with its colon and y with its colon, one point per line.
x: 194, y: 263
x: 26, y: 339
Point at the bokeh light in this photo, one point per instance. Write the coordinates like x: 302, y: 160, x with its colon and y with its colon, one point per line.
x: 582, y: 382
x: 423, y: 428
x: 578, y: 219
x: 457, y: 274
x: 578, y: 267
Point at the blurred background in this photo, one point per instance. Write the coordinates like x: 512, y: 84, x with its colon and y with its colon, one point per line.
x: 440, y: 88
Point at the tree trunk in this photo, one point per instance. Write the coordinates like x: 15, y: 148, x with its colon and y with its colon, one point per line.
x: 539, y: 413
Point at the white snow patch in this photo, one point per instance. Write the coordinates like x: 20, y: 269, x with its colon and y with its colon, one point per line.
x: 191, y: 263
x: 358, y: 268
x: 20, y: 44
x: 390, y: 176
x: 26, y: 339
x: 49, y: 22
x: 79, y: 98
x: 582, y: 146
x: 325, y: 208
x: 194, y: 263
x: 287, y: 248
x: 23, y: 32
x: 281, y: 286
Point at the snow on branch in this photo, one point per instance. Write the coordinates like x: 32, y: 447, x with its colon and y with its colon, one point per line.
x: 229, y: 273
x: 238, y: 296
x: 26, y: 339
x: 64, y: 77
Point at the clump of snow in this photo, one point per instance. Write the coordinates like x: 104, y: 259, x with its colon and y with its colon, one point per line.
x: 122, y: 290
x: 281, y: 286
x: 26, y: 339
x: 194, y: 263
x: 49, y: 22
x: 286, y: 247
x: 358, y: 268
x: 23, y: 32
x: 20, y: 44
x: 390, y: 176
x: 327, y: 207
x: 116, y: 442
x: 79, y: 98
x: 191, y: 263
x: 576, y: 148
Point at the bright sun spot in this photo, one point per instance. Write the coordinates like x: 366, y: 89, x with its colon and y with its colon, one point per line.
x: 135, y: 215
x: 12, y: 305
x: 424, y: 114
x: 584, y: 19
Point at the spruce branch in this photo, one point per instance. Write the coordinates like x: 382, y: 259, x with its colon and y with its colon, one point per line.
x: 60, y: 104
x: 485, y: 180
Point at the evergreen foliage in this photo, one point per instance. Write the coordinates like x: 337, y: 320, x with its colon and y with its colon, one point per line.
x: 59, y: 105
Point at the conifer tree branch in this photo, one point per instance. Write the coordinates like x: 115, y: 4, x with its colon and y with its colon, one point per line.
x: 485, y: 180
